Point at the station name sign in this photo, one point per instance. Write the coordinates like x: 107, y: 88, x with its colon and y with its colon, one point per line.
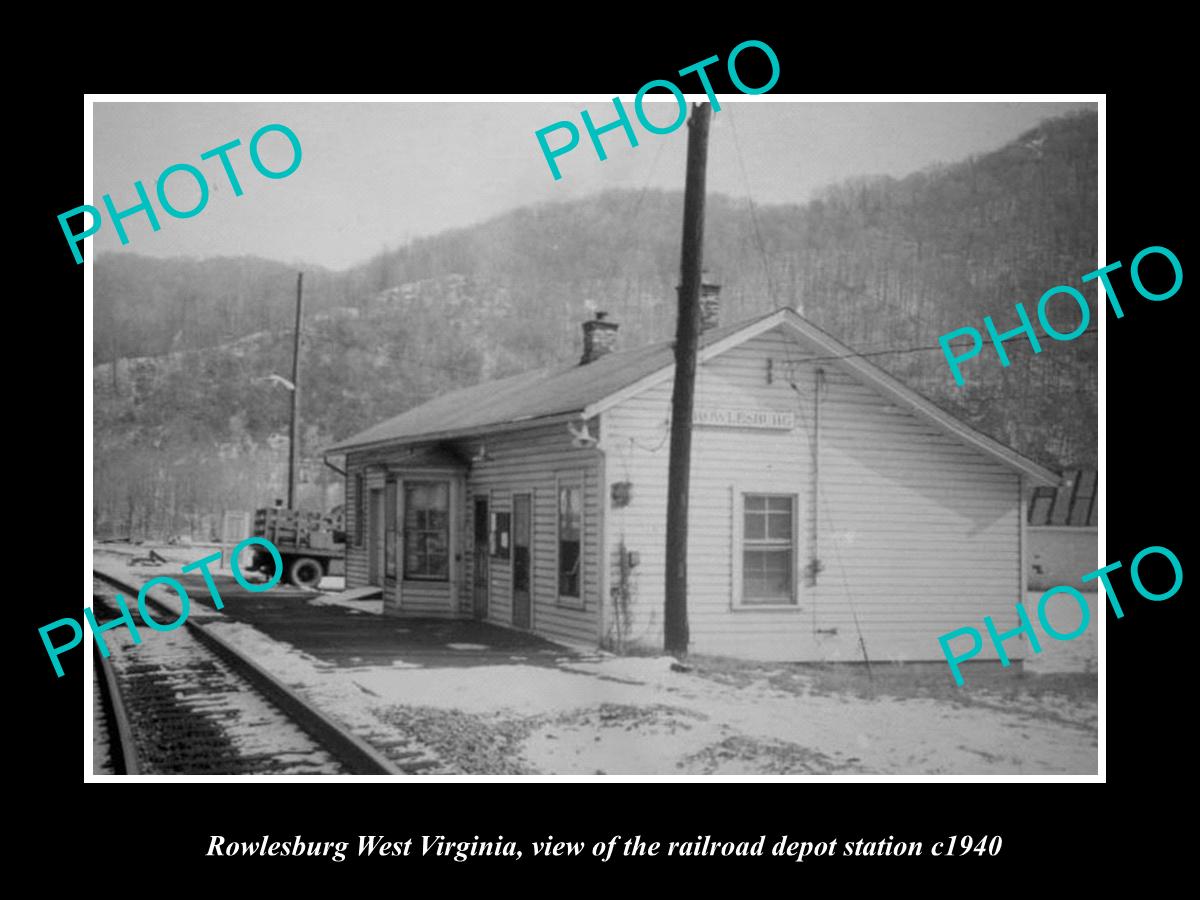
x: 733, y: 417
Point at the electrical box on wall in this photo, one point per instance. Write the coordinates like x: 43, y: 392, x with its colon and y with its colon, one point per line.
x: 622, y: 494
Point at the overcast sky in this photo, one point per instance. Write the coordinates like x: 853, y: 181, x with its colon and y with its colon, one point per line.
x: 379, y: 174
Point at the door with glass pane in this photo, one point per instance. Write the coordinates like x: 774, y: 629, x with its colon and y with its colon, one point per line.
x: 425, y: 535
x: 522, y: 560
x: 481, y: 558
x: 390, y: 532
x: 375, y: 539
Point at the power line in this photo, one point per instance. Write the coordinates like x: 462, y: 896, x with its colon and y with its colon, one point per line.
x: 993, y: 391
x: 634, y: 213
x: 1061, y: 364
x: 646, y: 187
x: 885, y: 352
x: 753, y: 213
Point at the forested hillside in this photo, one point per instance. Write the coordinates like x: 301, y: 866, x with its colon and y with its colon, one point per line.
x: 186, y: 421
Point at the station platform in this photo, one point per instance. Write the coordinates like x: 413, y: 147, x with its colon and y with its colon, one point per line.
x: 349, y: 632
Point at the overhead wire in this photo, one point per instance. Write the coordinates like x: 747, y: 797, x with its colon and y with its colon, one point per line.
x: 762, y: 248
x: 633, y: 214
x: 790, y: 376
x: 810, y: 430
x: 761, y: 244
x: 885, y: 352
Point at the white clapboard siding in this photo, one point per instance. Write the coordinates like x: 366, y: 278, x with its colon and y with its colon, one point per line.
x: 528, y: 461
x: 430, y: 599
x: 358, y: 558
x: 918, y: 532
x: 531, y: 461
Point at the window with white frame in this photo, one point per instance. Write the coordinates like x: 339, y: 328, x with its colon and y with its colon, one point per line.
x: 570, y: 541
x: 768, y: 550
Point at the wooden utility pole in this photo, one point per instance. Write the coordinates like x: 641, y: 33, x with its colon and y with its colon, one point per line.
x: 687, y: 339
x: 294, y: 443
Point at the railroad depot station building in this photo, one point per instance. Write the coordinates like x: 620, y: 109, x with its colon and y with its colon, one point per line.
x: 827, y: 500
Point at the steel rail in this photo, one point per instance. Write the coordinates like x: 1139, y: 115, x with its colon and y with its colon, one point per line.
x: 355, y: 754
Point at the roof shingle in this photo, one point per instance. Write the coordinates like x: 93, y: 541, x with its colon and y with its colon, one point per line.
x: 530, y: 395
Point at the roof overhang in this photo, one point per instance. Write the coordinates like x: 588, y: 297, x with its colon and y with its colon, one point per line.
x: 455, y: 434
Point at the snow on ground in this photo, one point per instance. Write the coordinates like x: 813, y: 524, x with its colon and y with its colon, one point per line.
x: 102, y: 763
x: 336, y: 691
x: 637, y: 715
x: 1064, y: 615
x: 374, y: 607
x: 119, y: 556
x: 622, y: 715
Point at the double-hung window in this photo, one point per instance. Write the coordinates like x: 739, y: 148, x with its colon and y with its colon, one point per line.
x: 768, y: 550
x: 570, y: 542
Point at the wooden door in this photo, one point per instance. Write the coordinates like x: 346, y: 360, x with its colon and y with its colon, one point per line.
x: 391, y: 536
x: 481, y: 558
x: 375, y: 538
x: 522, y: 560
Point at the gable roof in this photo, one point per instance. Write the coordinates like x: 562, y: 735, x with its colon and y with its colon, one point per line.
x: 530, y: 395
x: 589, y: 390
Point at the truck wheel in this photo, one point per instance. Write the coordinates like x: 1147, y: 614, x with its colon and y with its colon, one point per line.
x: 305, y: 572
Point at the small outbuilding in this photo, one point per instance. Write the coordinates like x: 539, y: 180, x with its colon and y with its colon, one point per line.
x: 833, y: 511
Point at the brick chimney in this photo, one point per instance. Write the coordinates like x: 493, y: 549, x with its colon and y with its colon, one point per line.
x: 710, y: 302
x: 599, y: 338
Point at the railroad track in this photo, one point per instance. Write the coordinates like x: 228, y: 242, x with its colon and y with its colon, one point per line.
x: 189, y: 702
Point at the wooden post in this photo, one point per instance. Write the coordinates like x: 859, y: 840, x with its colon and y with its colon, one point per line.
x: 687, y: 339
x: 294, y: 442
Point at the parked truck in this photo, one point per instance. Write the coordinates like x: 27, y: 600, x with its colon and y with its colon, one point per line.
x: 311, y: 544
